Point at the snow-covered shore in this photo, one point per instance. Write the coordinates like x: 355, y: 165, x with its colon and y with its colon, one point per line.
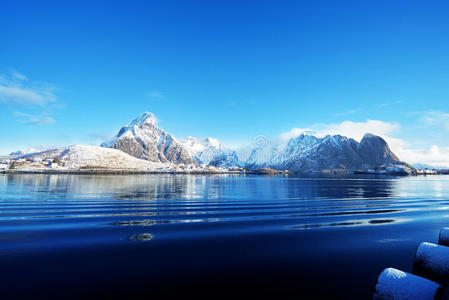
x: 81, y: 159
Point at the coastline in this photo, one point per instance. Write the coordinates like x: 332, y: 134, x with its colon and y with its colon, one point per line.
x: 112, y: 172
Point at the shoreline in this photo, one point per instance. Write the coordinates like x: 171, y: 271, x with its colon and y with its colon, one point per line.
x: 109, y: 172
x: 200, y: 172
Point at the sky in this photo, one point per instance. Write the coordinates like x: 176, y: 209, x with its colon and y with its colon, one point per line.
x: 74, y: 72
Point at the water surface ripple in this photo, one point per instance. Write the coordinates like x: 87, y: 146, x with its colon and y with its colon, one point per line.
x: 260, y: 236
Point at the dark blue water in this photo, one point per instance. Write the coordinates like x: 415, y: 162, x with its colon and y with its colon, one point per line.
x: 165, y: 236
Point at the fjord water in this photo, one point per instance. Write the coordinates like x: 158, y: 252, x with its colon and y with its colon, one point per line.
x: 197, y: 236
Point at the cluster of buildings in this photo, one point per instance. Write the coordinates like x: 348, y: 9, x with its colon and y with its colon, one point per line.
x: 28, y: 163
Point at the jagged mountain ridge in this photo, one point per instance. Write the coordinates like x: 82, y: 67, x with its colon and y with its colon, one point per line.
x: 210, y: 151
x: 142, y: 138
x: 311, y: 153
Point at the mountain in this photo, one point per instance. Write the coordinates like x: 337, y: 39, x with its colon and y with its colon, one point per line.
x: 84, y: 157
x: 145, y: 141
x: 310, y: 153
x: 374, y: 151
x: 23, y: 152
x: 142, y: 138
x: 210, y: 151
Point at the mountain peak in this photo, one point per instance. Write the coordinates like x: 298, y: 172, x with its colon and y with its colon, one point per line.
x: 144, y: 118
x: 143, y: 139
x: 309, y: 132
x: 195, y: 145
x: 370, y: 135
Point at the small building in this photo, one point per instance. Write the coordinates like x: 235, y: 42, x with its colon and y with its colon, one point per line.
x: 54, y: 165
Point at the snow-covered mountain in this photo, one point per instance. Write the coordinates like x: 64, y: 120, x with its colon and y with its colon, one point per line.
x: 145, y: 146
x: 90, y: 157
x: 142, y: 138
x: 307, y: 152
x: 310, y: 153
x: 24, y: 151
x: 210, y: 151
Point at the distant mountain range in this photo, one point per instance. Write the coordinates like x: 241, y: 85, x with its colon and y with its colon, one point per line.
x: 142, y: 138
x: 310, y: 153
x: 142, y: 146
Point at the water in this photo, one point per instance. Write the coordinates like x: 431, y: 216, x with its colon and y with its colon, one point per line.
x: 161, y: 236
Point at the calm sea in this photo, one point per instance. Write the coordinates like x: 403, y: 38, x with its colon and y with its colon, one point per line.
x: 188, y: 236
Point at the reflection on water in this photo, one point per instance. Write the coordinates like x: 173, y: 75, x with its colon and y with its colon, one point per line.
x: 258, y: 234
x: 143, y: 237
x: 347, y: 223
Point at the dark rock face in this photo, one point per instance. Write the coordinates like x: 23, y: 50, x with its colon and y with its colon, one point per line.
x: 142, y: 138
x: 374, y: 151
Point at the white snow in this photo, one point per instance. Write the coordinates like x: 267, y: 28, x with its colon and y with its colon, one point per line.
x: 78, y: 157
x: 134, y: 129
x: 24, y: 151
x: 144, y: 131
x: 195, y: 145
x: 391, y: 169
x: 81, y: 156
x: 394, y: 284
x: 206, y: 150
x: 276, y: 154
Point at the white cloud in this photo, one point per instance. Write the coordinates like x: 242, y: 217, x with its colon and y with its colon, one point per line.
x: 25, y: 96
x: 294, y: 132
x: 434, y: 118
x: 30, y: 119
x: 434, y: 155
x: 19, y: 76
x: 357, y: 130
x: 16, y: 89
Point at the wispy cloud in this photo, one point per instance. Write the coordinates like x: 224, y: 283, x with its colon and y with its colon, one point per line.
x: 231, y: 104
x: 19, y: 76
x: 98, y: 138
x: 294, y: 132
x: 347, y: 113
x: 386, y: 104
x: 156, y: 95
x: 434, y: 118
x: 16, y: 89
x: 357, y: 130
x: 35, y: 98
x: 30, y: 119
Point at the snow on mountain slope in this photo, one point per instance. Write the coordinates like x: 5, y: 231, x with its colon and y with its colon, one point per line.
x: 195, y: 145
x: 142, y: 138
x: 210, y: 151
x: 310, y: 153
x: 24, y: 151
x: 80, y: 156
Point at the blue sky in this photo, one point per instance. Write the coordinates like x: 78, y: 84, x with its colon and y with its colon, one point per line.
x: 76, y: 71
